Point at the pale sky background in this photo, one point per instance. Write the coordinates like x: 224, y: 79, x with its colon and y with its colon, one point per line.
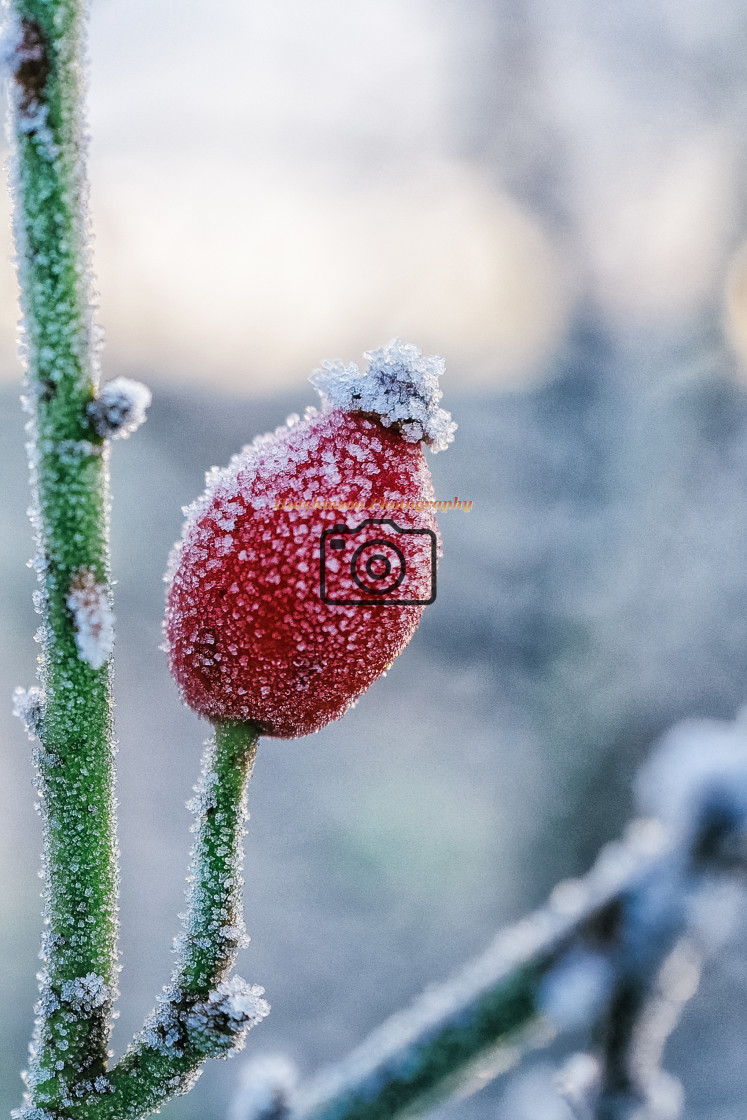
x: 278, y: 182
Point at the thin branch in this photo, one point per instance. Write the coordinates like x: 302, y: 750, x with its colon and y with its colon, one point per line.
x: 201, y: 1013
x: 606, y: 950
x: 69, y: 466
x: 454, y: 1033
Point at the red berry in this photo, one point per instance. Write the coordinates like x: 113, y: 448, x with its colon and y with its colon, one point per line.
x: 272, y: 617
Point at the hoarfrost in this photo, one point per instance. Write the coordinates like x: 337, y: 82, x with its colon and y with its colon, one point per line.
x: 576, y: 989
x: 220, y: 1023
x: 394, y: 1046
x: 579, y: 1082
x: 86, y: 993
x: 11, y: 39
x: 265, y: 1088
x: 29, y: 1112
x: 28, y: 705
x: 94, y: 618
x: 265, y: 561
x: 533, y: 1095
x: 400, y: 386
x: 23, y: 52
x: 162, y: 1030
x: 119, y: 408
x: 698, y: 770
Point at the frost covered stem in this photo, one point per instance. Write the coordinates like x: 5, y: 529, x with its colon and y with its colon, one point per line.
x: 481, y: 1019
x: 70, y: 510
x: 214, y: 924
x: 192, y: 1022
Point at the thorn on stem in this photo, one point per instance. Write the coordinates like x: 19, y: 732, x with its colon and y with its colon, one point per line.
x: 119, y: 408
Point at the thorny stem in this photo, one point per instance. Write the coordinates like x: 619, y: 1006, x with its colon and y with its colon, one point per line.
x: 164, y: 1059
x: 70, y: 480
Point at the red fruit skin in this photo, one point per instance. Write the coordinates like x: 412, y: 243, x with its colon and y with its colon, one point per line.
x: 248, y: 635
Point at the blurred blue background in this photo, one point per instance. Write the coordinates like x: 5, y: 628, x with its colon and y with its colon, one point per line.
x: 551, y: 193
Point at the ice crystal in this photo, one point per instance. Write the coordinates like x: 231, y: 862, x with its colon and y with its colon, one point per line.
x: 29, y: 1112
x: 28, y: 705
x: 93, y: 616
x: 24, y: 52
x: 219, y: 1024
x: 119, y: 408
x: 400, y: 386
x: 86, y: 993
x: 11, y: 39
x: 163, y: 1030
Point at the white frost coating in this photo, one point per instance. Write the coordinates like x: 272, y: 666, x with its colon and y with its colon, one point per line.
x: 162, y: 1030
x: 579, y: 1082
x: 698, y: 775
x: 27, y: 1112
x: 265, y: 1088
x: 93, y: 616
x: 574, y: 992
x: 28, y: 705
x: 699, y: 767
x: 220, y: 1023
x: 400, y: 386
x: 119, y: 408
x: 86, y: 993
x: 532, y: 1094
x: 239, y: 1002
x: 11, y: 37
x: 394, y: 1046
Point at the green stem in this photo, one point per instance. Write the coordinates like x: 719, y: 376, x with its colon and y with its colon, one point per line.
x: 69, y: 464
x: 473, y: 1027
x: 167, y: 1055
x: 214, y: 925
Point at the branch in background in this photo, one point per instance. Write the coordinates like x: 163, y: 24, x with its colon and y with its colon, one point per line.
x: 605, y: 950
x: 697, y: 783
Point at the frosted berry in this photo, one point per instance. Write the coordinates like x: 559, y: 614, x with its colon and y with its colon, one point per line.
x: 304, y: 568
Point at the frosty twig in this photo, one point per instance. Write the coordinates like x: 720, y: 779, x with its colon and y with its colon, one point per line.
x: 489, y: 1012
x: 201, y: 1013
x: 609, y: 953
x: 69, y: 477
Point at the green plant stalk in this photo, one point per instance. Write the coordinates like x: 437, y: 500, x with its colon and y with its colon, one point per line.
x: 69, y: 466
x: 154, y: 1070
x: 214, y: 924
x: 443, y: 1061
x: 465, y: 1032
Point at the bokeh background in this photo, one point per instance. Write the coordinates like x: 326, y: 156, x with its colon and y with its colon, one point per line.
x: 552, y: 194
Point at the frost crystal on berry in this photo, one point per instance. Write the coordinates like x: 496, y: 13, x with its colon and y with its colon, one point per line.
x: 266, y: 624
x: 400, y: 386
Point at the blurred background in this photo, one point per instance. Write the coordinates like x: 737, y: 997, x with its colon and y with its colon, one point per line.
x: 552, y: 194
